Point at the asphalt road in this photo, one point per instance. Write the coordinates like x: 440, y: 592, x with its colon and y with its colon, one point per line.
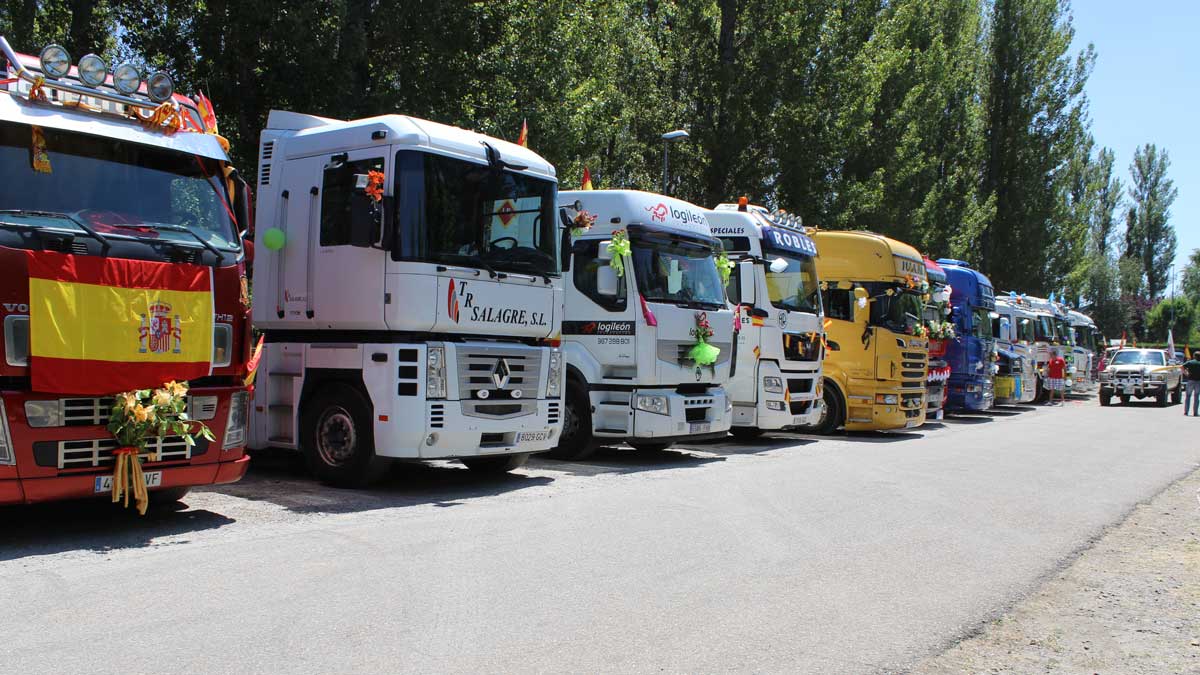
x: 856, y: 554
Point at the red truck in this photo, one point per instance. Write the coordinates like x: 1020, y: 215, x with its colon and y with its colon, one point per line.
x: 107, y: 169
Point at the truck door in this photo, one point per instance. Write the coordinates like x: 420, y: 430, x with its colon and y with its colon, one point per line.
x: 294, y: 215
x: 348, y: 281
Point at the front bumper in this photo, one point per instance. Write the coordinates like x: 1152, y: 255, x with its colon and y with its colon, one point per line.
x: 78, y: 486
x: 799, y: 406
x: 1137, y: 388
x: 451, y: 433
x: 688, y: 416
x: 863, y: 413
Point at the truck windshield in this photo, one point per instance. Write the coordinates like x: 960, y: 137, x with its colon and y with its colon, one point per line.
x: 115, y: 187
x: 1044, y: 329
x: 1025, y: 328
x: 1063, y: 331
x: 1133, y: 357
x: 677, y: 271
x: 981, y: 323
x: 794, y: 289
x: 899, y: 313
x: 466, y: 213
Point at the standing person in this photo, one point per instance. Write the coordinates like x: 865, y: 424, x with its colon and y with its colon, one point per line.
x: 1056, y: 374
x: 1191, y: 374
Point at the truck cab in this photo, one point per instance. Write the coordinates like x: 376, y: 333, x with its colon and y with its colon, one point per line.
x: 971, y: 354
x: 875, y: 368
x: 1083, y: 334
x: 1048, y: 335
x: 939, y: 332
x: 1014, y: 331
x: 408, y: 286
x: 108, y: 189
x: 643, y: 294
x: 776, y: 381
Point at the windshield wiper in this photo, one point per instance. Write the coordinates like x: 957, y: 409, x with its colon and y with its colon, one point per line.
x: 531, y: 267
x: 65, y: 216
x: 473, y: 260
x: 187, y: 230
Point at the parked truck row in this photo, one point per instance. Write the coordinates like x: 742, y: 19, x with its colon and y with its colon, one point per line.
x: 426, y: 292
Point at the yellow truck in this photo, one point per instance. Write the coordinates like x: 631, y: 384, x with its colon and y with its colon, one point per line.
x: 877, y: 354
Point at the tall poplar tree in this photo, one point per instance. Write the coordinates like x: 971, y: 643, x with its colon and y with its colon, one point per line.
x: 1149, y: 235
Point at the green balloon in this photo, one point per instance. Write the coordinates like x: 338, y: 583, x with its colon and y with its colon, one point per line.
x: 274, y: 238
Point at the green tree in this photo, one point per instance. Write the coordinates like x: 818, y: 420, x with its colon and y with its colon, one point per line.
x: 1178, y: 315
x: 1190, y: 279
x: 1035, y: 118
x: 1149, y: 235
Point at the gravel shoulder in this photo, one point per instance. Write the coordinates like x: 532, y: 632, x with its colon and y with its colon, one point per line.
x: 1129, y: 604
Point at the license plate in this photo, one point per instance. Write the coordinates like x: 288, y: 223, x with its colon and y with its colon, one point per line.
x: 104, y: 483
x: 533, y: 436
x: 700, y: 427
x: 910, y: 424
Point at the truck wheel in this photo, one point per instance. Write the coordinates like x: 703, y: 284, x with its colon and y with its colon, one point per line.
x: 1105, y: 399
x: 834, y: 415
x: 338, y: 439
x: 495, y: 465
x: 1160, y: 399
x: 1042, y: 394
x: 575, y: 442
x: 745, y: 433
x: 167, y: 495
x: 646, y: 446
x: 1177, y: 395
x: 1124, y: 399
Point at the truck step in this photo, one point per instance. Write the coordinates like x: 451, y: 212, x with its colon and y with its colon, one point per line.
x: 284, y: 373
x: 281, y: 440
x: 280, y: 406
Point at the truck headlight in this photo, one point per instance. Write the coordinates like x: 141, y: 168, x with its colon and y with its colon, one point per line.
x: 7, y: 456
x: 435, y: 372
x: 887, y: 399
x: 659, y: 405
x: 974, y: 389
x: 235, y: 427
x: 1105, y: 376
x: 554, y: 377
x: 773, y: 385
x: 222, y: 345
x: 1158, y: 377
x: 43, y: 414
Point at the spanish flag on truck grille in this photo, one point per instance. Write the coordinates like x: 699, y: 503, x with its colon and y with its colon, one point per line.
x: 105, y: 325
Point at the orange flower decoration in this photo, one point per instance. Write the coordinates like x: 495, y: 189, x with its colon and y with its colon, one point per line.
x: 374, y: 187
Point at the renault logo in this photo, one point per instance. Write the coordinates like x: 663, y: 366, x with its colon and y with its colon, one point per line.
x: 500, y: 374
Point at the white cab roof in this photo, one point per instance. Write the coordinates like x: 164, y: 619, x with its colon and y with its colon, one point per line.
x: 313, y: 135
x: 633, y: 207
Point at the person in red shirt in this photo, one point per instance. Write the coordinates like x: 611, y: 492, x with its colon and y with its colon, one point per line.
x: 1056, y: 377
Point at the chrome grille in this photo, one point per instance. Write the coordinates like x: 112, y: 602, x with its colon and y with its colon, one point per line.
x: 99, y: 451
x: 675, y: 351
x: 696, y: 409
x: 477, y: 364
x: 88, y: 412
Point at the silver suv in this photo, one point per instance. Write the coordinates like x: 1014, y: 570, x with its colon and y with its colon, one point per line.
x: 1141, y: 373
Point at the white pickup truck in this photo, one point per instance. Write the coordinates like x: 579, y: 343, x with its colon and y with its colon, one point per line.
x: 1141, y: 373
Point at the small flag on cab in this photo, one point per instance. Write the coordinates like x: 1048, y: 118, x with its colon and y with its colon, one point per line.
x: 587, y: 179
x: 523, y: 139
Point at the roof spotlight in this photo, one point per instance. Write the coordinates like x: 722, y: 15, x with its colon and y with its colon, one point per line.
x: 92, y: 70
x: 127, y: 78
x: 159, y: 87
x: 56, y: 62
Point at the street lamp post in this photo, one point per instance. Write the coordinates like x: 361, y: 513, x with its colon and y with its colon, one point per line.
x: 678, y: 134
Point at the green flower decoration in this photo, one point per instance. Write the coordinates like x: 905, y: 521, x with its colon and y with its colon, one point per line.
x: 702, y: 353
x: 618, y: 248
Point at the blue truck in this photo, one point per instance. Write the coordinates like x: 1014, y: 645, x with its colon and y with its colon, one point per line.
x: 971, y: 354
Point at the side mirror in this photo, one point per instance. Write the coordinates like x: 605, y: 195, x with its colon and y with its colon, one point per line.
x: 745, y: 270
x: 364, y: 221
x: 607, y: 281
x: 603, y: 253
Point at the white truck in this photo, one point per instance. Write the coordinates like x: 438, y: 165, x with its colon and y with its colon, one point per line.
x: 408, y: 286
x: 776, y: 378
x: 1084, y: 372
x: 634, y: 320
x: 1015, y: 331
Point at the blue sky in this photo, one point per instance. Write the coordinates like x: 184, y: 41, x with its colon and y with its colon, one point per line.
x: 1145, y: 88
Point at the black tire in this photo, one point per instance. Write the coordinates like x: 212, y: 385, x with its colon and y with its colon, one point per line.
x: 1043, y: 394
x: 745, y: 433
x: 1177, y: 395
x: 495, y: 465
x: 649, y: 446
x: 1160, y: 399
x: 1105, y: 400
x: 168, y: 495
x: 338, y: 439
x: 1124, y: 399
x: 835, y: 412
x: 576, y: 441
